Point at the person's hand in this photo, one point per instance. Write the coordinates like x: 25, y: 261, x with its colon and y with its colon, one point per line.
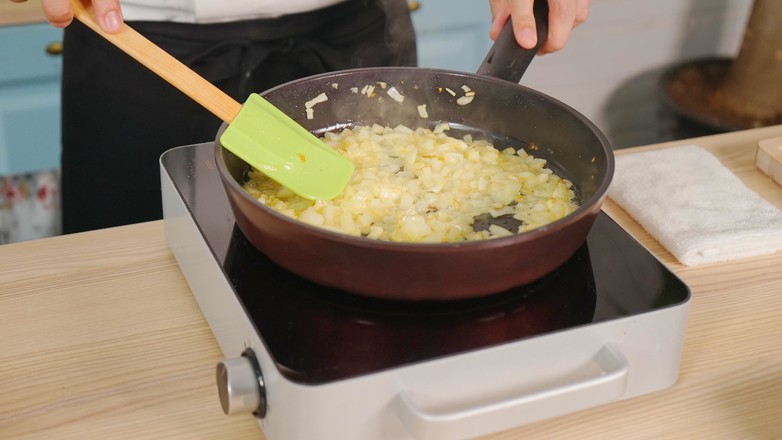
x: 564, y: 15
x: 59, y: 13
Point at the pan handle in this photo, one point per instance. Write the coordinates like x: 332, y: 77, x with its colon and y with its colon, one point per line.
x: 506, y: 59
x: 601, y: 380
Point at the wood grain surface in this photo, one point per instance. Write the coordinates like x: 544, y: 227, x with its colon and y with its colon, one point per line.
x: 769, y: 158
x: 100, y: 337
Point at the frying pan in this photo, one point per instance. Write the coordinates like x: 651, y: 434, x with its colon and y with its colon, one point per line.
x: 502, y: 111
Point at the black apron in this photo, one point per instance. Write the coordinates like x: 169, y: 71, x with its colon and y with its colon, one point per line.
x: 118, y: 117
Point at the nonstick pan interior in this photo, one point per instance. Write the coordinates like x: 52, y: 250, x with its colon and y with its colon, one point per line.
x: 504, y: 113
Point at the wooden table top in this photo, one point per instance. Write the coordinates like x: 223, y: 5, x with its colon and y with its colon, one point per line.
x: 100, y: 337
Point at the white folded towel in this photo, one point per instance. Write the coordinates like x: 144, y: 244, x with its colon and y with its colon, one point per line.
x: 694, y: 206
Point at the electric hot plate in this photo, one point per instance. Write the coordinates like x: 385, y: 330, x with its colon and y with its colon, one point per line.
x: 314, y: 362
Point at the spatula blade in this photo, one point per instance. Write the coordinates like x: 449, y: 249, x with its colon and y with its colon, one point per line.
x: 276, y: 145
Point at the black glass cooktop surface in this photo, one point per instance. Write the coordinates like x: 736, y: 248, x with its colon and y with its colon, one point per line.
x: 318, y: 335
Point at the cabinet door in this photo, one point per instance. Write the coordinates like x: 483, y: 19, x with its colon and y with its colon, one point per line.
x: 29, y: 99
x: 451, y: 34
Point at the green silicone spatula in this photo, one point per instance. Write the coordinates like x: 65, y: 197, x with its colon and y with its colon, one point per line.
x: 258, y: 132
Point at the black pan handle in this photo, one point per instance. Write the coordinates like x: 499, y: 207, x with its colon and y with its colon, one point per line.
x: 506, y: 59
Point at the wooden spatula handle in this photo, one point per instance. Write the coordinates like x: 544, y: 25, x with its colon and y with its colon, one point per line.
x: 163, y: 64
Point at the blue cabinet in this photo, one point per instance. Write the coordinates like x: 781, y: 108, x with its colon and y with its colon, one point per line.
x: 451, y: 34
x: 29, y: 98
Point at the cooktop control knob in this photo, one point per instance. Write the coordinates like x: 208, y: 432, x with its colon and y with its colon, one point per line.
x: 240, y: 385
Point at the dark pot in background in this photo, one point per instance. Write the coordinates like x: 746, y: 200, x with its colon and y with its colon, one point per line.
x: 692, y: 104
x: 685, y: 111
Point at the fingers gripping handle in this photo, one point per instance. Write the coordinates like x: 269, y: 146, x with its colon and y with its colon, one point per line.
x: 506, y: 59
x: 601, y: 380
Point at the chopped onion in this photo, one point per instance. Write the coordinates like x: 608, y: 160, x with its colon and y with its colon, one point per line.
x: 395, y: 95
x: 464, y: 100
x: 424, y: 186
x: 312, y: 102
x: 441, y: 128
x: 316, y: 100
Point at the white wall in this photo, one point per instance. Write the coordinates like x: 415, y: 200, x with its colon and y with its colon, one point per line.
x: 609, y: 69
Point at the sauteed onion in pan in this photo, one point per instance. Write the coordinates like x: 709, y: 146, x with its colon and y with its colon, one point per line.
x: 425, y: 186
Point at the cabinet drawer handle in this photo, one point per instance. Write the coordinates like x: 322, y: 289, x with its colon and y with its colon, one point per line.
x: 54, y: 48
x: 413, y: 5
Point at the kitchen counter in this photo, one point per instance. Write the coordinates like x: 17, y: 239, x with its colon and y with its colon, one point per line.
x: 21, y: 13
x: 100, y: 337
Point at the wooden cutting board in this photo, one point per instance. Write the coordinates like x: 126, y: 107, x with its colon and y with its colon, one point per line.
x: 769, y: 158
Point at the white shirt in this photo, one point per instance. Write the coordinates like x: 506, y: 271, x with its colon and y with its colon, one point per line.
x: 213, y: 11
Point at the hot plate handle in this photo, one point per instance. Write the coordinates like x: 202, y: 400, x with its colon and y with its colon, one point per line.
x: 594, y: 386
